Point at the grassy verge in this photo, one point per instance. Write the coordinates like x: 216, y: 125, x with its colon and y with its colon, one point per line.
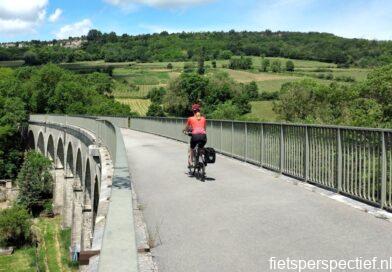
x: 52, y: 254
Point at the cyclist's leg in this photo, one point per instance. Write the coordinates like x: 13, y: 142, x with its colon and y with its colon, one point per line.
x: 191, y: 150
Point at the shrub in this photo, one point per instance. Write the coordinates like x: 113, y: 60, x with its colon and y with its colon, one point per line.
x: 35, y: 182
x: 269, y: 95
x: 290, y: 66
x: 251, y: 90
x: 240, y: 63
x: 265, y: 63
x: 213, y: 64
x: 14, y: 226
x: 155, y: 110
x: 276, y: 66
x: 156, y: 95
x: 169, y: 66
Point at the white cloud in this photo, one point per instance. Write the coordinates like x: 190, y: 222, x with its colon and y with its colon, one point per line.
x: 55, y: 15
x: 74, y: 30
x: 172, y: 4
x: 17, y: 16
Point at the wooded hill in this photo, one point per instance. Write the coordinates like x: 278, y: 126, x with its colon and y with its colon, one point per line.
x: 217, y: 45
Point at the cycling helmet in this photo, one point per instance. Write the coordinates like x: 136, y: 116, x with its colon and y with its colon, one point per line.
x: 195, y: 107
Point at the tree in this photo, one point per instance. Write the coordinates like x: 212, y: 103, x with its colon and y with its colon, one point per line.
x: 35, y: 181
x: 226, y: 110
x: 265, y: 63
x: 200, y: 63
x: 94, y: 35
x: 251, y: 90
x: 290, y: 66
x: 155, y: 110
x: 169, y: 66
x: 156, y: 95
x: 276, y: 66
x: 14, y: 226
x: 31, y: 58
x: 240, y: 63
x: 213, y: 64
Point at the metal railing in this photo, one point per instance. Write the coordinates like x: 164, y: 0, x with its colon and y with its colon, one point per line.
x: 118, y: 245
x: 353, y: 161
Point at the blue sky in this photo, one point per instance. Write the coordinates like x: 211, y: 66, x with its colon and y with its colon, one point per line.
x: 50, y: 19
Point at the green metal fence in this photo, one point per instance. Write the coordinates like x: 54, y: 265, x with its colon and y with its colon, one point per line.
x: 353, y: 161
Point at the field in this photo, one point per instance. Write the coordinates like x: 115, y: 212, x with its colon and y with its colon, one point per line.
x: 137, y: 105
x: 51, y: 255
x: 133, y: 81
x: 11, y: 63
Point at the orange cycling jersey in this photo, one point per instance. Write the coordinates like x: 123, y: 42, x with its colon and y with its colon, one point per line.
x: 197, y: 126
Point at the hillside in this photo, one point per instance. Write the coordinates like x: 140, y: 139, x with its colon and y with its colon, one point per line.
x: 216, y: 45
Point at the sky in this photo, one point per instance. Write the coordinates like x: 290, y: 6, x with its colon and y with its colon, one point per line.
x: 22, y: 20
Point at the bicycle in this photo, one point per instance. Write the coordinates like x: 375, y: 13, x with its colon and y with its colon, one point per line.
x: 198, y: 167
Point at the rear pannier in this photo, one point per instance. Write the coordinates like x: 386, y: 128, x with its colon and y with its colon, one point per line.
x: 210, y: 155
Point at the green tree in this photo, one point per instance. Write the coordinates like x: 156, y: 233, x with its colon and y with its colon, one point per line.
x: 276, y: 66
x: 14, y: 226
x: 265, y: 63
x: 213, y: 64
x: 169, y: 66
x: 251, y: 90
x: 200, y: 62
x: 155, y: 110
x: 35, y: 181
x: 226, y: 110
x: 31, y: 58
x: 156, y: 95
x: 290, y: 66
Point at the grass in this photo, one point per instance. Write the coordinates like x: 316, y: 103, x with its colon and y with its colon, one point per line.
x: 22, y: 260
x: 137, y: 105
x: 52, y: 254
x: 262, y: 111
x: 11, y: 63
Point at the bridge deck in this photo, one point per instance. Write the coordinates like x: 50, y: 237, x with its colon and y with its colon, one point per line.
x: 243, y: 216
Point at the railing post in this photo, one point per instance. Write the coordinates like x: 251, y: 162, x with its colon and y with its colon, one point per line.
x: 306, y: 155
x: 383, y: 170
x: 221, y: 130
x: 232, y: 138
x: 281, y: 149
x: 246, y: 142
x: 339, y: 160
x: 261, y: 144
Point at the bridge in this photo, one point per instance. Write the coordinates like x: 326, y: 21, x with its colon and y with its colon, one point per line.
x: 276, y: 191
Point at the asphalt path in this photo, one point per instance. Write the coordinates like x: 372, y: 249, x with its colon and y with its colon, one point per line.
x: 241, y: 216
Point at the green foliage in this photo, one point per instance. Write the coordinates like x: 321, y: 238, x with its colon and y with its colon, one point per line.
x: 213, y: 64
x: 240, y: 63
x: 251, y: 90
x: 290, y: 66
x: 226, y: 110
x: 276, y: 66
x: 156, y: 95
x: 365, y: 104
x: 14, y: 226
x: 265, y: 63
x: 169, y: 66
x: 31, y: 58
x: 35, y: 181
x: 156, y: 110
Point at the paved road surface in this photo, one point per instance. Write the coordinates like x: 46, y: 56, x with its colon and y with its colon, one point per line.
x: 243, y: 216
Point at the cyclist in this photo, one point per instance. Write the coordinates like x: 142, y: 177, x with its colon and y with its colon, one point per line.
x: 196, y: 125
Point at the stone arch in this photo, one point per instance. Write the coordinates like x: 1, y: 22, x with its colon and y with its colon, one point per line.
x: 30, y: 140
x: 79, y: 168
x: 41, y: 143
x: 69, y: 163
x: 60, y: 154
x: 50, y: 148
x: 87, y: 184
x: 95, y: 200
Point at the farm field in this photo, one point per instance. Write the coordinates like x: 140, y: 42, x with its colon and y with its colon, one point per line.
x: 137, y: 105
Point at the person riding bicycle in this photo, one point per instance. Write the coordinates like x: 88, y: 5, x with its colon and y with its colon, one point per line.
x: 196, y: 125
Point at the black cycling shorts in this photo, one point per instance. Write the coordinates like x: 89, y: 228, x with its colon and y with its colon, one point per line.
x: 198, y: 139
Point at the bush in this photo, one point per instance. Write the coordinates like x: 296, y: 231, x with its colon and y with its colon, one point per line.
x: 265, y: 63
x: 276, y: 66
x: 156, y: 95
x: 251, y: 90
x: 35, y: 182
x: 14, y: 226
x: 269, y: 95
x: 225, y: 54
x: 290, y: 66
x: 240, y: 63
x: 169, y: 66
x: 213, y: 64
x: 226, y: 110
x: 155, y: 110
